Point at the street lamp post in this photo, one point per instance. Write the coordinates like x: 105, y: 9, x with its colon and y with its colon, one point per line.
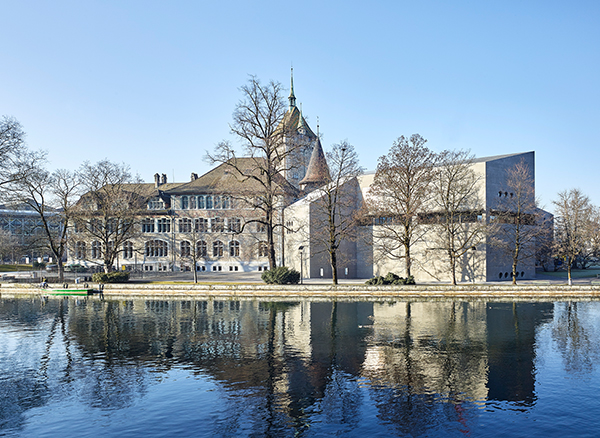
x: 301, y: 276
x: 473, y: 258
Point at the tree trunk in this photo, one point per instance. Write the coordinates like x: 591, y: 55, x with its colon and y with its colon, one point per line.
x: 61, y: 270
x: 271, y: 241
x: 407, y: 260
x: 334, y: 267
x: 453, y: 267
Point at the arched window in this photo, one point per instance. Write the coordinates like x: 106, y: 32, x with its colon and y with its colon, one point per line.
x: 127, y: 250
x: 184, y: 203
x: 96, y: 250
x: 226, y: 202
x: 263, y: 249
x: 192, y: 203
x: 234, y: 225
x: 81, y: 250
x: 185, y: 248
x: 218, y: 204
x: 185, y: 225
x: 209, y: 202
x: 217, y: 248
x: 157, y: 248
x: 201, y: 249
x: 234, y: 248
x: 201, y: 204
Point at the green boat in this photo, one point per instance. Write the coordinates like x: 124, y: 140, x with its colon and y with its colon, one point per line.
x: 77, y: 292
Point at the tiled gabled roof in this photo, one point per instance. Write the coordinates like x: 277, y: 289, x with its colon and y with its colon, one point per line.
x: 226, y: 179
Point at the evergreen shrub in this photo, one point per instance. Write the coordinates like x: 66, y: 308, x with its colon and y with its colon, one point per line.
x: 281, y: 275
x: 390, y: 278
x: 111, y: 277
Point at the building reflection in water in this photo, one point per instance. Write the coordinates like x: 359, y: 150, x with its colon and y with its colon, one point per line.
x: 285, y: 364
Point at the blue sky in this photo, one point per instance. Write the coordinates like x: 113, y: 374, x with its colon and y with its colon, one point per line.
x: 154, y: 83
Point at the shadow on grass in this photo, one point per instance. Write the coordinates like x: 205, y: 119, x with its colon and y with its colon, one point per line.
x: 15, y: 268
x: 575, y: 273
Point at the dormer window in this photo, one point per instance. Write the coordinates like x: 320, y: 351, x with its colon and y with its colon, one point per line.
x: 156, y: 204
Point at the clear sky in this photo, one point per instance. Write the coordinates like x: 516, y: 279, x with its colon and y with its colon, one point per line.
x: 154, y: 83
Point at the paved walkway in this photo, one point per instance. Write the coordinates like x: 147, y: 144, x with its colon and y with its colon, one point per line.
x: 254, y: 277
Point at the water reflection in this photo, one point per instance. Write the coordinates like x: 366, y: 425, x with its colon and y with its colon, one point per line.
x: 406, y: 368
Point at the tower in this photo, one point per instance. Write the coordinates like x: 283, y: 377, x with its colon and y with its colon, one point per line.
x: 298, y: 140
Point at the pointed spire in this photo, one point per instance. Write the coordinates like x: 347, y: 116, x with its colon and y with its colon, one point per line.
x: 301, y: 123
x: 317, y: 173
x: 292, y: 98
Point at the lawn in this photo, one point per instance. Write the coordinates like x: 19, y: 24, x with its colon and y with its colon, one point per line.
x: 14, y: 268
x: 575, y: 273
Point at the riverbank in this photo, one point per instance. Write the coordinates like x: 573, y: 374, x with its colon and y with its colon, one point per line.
x: 541, y: 290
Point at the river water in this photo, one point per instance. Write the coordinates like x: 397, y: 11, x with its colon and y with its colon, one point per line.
x: 132, y: 368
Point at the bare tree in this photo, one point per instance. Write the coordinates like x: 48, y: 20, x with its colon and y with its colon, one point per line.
x: 108, y: 213
x: 518, y: 218
x: 268, y: 149
x: 16, y: 160
x: 400, y: 190
x: 335, y: 221
x: 573, y: 213
x: 52, y: 196
x: 8, y: 242
x: 544, y: 256
x: 456, y: 207
x: 591, y: 249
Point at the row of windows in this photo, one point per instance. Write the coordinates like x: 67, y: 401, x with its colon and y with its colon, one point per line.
x: 96, y: 250
x: 464, y: 217
x: 109, y: 226
x: 201, y: 202
x: 160, y: 248
x: 206, y: 202
x: 199, y: 225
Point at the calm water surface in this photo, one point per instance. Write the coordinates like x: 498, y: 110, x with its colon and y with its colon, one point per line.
x: 85, y: 367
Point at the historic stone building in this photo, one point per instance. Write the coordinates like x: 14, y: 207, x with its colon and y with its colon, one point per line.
x: 205, y: 223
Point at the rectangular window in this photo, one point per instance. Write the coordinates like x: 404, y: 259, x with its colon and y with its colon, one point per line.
x: 201, y: 225
x: 148, y: 226
x: 185, y: 225
x: 234, y: 225
x: 217, y: 225
x: 164, y: 226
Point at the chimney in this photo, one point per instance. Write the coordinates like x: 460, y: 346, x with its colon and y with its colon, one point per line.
x: 194, y: 176
x: 163, y: 179
x: 156, y: 180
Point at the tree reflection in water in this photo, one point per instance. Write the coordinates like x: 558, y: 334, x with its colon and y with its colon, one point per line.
x: 408, y: 368
x: 576, y: 338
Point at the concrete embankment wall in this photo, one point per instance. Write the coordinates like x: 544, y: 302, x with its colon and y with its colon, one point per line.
x: 485, y: 292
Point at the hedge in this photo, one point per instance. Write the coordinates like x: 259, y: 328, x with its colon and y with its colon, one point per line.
x: 111, y: 277
x: 390, y: 278
x: 281, y: 275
